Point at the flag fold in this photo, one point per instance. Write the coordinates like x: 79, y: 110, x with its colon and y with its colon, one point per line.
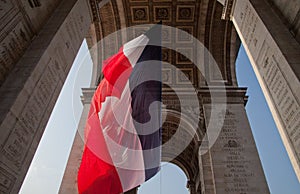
x: 123, y: 129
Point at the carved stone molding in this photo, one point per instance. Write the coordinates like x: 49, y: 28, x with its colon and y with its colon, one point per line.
x: 230, y: 95
x: 227, y: 9
x: 87, y: 95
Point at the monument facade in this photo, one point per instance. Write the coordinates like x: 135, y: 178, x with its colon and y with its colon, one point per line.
x: 40, y: 39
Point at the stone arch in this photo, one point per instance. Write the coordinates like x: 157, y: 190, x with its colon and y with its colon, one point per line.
x: 185, y: 158
x: 42, y: 68
x: 116, y: 15
x: 221, y: 40
x: 205, y: 25
x: 176, y: 171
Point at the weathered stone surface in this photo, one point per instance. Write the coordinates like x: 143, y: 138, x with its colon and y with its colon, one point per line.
x: 274, y: 55
x: 30, y: 91
x: 232, y: 165
x: 232, y: 162
x: 69, y: 182
x: 205, y: 174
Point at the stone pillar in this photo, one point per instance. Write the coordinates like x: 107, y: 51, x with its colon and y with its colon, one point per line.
x: 191, y: 186
x: 132, y: 191
x: 232, y: 164
x: 205, y: 166
x: 69, y: 181
x: 274, y: 54
x: 29, y: 93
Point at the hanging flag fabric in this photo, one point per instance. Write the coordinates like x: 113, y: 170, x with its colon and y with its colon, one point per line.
x: 123, y: 129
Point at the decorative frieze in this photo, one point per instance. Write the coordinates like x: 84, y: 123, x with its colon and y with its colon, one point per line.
x: 14, y: 38
x: 7, y: 180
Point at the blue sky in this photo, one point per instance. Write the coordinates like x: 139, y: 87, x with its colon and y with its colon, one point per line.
x: 47, y: 168
x: 277, y: 167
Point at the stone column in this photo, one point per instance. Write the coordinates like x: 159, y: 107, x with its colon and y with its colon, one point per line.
x: 69, y: 181
x: 191, y: 186
x: 274, y: 54
x: 29, y: 93
x: 232, y: 164
x: 205, y: 166
x: 132, y: 191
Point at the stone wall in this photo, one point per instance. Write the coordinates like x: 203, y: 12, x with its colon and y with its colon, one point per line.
x: 30, y: 91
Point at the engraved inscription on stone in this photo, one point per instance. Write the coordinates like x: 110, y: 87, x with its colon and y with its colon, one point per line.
x: 278, y: 80
x: 251, y: 27
x: 16, y: 146
x: 236, y: 166
x: 6, y: 181
x: 73, y: 30
x: 41, y: 81
x: 12, y: 47
x: 237, y: 171
x: 281, y: 94
x: 5, y: 7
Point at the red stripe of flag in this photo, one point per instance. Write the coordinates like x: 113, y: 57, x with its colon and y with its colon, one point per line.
x: 96, y: 173
x: 108, y: 146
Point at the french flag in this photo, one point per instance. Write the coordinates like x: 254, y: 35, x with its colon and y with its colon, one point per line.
x: 123, y: 129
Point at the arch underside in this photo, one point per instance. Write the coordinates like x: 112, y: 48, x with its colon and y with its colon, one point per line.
x: 201, y: 19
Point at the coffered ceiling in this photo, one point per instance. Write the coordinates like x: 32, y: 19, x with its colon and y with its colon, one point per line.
x: 199, y: 18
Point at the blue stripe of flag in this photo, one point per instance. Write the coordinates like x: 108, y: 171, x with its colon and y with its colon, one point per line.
x: 146, y: 88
